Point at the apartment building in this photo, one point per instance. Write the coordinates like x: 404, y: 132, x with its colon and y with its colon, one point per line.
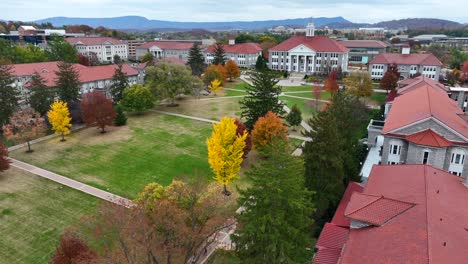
x: 363, y: 51
x: 104, y: 48
x: 245, y: 54
x: 132, y: 44
x: 165, y: 49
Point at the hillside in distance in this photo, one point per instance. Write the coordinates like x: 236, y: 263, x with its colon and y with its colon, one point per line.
x: 409, y: 23
x: 139, y: 23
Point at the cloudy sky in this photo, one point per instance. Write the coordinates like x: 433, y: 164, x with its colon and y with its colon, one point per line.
x: 236, y: 10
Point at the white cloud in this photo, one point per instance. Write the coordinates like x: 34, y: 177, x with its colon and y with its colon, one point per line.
x: 228, y: 10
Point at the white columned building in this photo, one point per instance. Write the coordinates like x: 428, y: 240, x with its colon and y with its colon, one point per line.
x: 309, y: 54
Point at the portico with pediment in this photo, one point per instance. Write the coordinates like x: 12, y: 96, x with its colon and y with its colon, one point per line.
x: 301, y: 59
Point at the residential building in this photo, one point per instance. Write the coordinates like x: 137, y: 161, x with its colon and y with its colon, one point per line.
x: 309, y: 54
x: 245, y: 54
x: 165, y: 49
x: 105, y: 48
x: 408, y: 64
x: 424, y: 126
x: 458, y: 43
x: 132, y: 44
x: 363, y: 51
x: 404, y: 214
x: 91, y: 78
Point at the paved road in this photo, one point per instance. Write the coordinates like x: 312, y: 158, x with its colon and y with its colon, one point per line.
x: 72, y: 183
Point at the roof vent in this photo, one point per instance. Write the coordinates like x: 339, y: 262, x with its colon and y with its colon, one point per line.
x: 445, y: 244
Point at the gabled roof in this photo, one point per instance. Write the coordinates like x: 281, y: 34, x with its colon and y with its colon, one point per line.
x: 375, y: 210
x: 332, y: 236
x: 426, y: 59
x: 339, y: 218
x: 242, y: 48
x: 422, y: 103
x: 364, y: 44
x: 432, y: 231
x: 429, y: 138
x: 317, y: 43
x: 167, y: 45
x: 90, y: 41
x: 411, y: 84
x: 327, y: 256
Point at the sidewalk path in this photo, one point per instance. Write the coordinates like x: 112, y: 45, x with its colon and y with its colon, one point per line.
x: 72, y: 183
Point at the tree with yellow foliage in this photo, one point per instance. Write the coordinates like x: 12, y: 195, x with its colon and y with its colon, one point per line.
x: 215, y: 86
x: 226, y: 151
x: 59, y: 118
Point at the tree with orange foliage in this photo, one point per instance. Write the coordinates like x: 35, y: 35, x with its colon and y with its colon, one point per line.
x: 97, y: 110
x: 317, y: 92
x: 73, y: 250
x: 4, y: 162
x: 212, y: 73
x: 223, y: 72
x: 267, y: 129
x: 330, y: 84
x: 25, y: 125
x: 232, y: 70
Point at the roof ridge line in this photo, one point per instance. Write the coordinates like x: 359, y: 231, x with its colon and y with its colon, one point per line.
x: 360, y: 208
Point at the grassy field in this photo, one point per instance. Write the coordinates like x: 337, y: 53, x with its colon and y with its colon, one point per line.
x: 33, y: 214
x: 152, y: 148
x: 378, y: 98
x: 305, y: 105
x: 223, y: 257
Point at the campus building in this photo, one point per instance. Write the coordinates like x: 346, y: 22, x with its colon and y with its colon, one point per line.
x: 309, y: 54
x: 132, y: 44
x: 244, y: 55
x: 403, y: 214
x: 104, y: 48
x: 408, y: 64
x: 363, y: 51
x: 91, y: 78
x: 165, y: 49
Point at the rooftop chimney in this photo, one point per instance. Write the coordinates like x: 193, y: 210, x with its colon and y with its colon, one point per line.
x: 232, y: 41
x: 405, y: 50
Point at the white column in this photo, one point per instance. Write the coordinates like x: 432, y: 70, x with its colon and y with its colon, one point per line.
x: 306, y: 63
x: 297, y: 63
x: 313, y: 63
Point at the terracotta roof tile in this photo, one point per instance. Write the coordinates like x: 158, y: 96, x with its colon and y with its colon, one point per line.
x: 407, y: 59
x: 242, y: 48
x: 428, y: 138
x: 89, y: 41
x: 167, y: 45
x: 339, y: 218
x: 317, y: 43
x: 327, y: 256
x: 363, y: 44
x: 332, y: 236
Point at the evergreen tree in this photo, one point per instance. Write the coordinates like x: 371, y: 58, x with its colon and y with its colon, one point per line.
x: 68, y: 83
x: 274, y: 225
x: 8, y: 95
x: 41, y: 96
x: 196, y: 60
x: 261, y: 64
x: 119, y: 83
x: 294, y: 117
x: 262, y: 97
x: 60, y: 50
x: 219, y: 55
x: 121, y: 118
x: 324, y: 171
x: 117, y: 59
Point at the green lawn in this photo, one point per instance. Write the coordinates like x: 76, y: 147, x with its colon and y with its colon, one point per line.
x: 209, y: 109
x: 223, y: 257
x: 305, y: 105
x: 152, y: 148
x: 297, y: 88
x: 33, y: 214
x: 233, y: 93
x: 378, y: 98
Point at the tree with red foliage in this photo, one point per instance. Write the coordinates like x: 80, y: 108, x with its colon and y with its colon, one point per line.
x: 240, y: 131
x: 330, y: 84
x: 4, y: 162
x: 97, y: 110
x: 390, y: 79
x: 83, y: 60
x: 73, y: 250
x: 317, y: 95
x: 223, y: 71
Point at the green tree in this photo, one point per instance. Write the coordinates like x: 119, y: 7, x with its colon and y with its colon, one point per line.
x: 168, y: 80
x: 458, y: 58
x: 117, y: 59
x: 274, y: 224
x: 219, y: 55
x: 9, y: 96
x: 324, y: 170
x: 294, y: 117
x: 137, y: 98
x: 119, y: 83
x: 148, y: 57
x: 120, y: 118
x: 261, y: 64
x: 28, y: 54
x: 60, y: 50
x: 262, y: 97
x: 68, y: 83
x: 196, y: 60
x: 41, y: 96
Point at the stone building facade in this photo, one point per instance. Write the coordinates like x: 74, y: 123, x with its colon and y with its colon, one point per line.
x: 165, y: 49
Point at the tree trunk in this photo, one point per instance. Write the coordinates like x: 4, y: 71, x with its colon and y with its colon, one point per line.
x: 63, y: 138
x: 29, y: 148
x: 103, y: 130
x: 225, y: 190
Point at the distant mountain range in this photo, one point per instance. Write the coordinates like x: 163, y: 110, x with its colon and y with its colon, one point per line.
x: 142, y: 23
x: 410, y: 23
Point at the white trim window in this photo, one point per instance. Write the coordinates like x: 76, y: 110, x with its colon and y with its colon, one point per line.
x: 394, y: 154
x: 457, y: 161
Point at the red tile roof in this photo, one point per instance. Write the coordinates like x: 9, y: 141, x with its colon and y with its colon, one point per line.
x: 411, y: 84
x: 332, y: 236
x: 327, y: 256
x: 91, y: 41
x: 429, y: 138
x: 375, y: 210
x: 407, y: 59
x: 432, y: 231
x: 242, y: 48
x: 167, y: 45
x: 423, y: 103
x: 318, y: 43
x: 364, y: 44
x: 339, y: 218
x: 86, y: 74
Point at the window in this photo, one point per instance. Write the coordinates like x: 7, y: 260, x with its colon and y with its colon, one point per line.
x: 425, y: 157
x: 458, y: 158
x: 395, y: 149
